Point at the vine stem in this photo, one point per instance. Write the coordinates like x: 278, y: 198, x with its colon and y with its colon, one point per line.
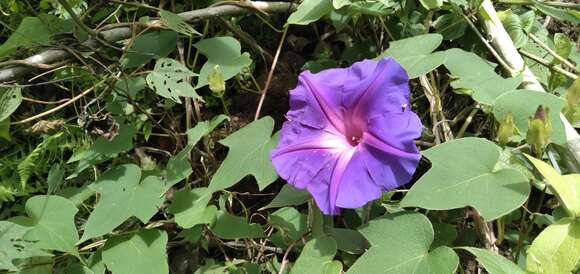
x: 547, y: 64
x: 551, y: 52
x: 270, y: 74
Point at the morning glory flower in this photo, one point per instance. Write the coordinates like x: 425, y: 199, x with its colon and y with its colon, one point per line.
x: 349, y: 134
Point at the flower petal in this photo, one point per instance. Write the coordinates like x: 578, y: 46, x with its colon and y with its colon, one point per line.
x: 384, y: 89
x: 357, y: 187
x: 315, y: 101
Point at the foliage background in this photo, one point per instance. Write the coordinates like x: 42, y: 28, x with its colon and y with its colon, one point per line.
x: 142, y: 144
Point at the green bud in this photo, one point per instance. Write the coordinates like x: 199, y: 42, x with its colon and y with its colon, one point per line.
x: 539, y: 130
x: 506, y: 130
x: 216, y: 81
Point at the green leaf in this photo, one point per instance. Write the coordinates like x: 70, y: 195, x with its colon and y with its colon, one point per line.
x: 317, y: 257
x: 103, y: 149
x: 249, y: 154
x: 232, y: 227
x: 10, y: 99
x: 400, y: 243
x: 527, y: 20
x: 566, y: 188
x: 288, y: 196
x: 148, y: 46
x: 14, y: 246
x: 142, y: 252
x: 557, y: 13
x: 223, y: 52
x: 431, y: 4
x: 309, y: 11
x: 178, y: 166
x: 31, y: 32
x: 189, y: 207
x: 513, y: 25
x: 481, y: 182
x: 450, y: 25
x: 493, y: 262
x: 562, y: 46
x: 445, y: 234
x: 176, y: 23
x: 556, y: 249
x: 289, y: 222
x: 169, y: 79
x: 52, y: 221
x: 476, y: 76
x: 416, y: 54
x: 55, y: 178
x: 122, y: 196
x: 348, y: 240
x: 5, y: 130
x: 523, y: 105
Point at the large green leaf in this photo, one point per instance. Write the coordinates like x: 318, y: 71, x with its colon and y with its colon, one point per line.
x: 223, y: 52
x: 10, y: 99
x: 466, y: 172
x: 476, y: 76
x: 169, y: 79
x: 148, y: 46
x: 123, y: 196
x: 523, y: 105
x: 493, y: 262
x: 249, y: 154
x: 14, y: 246
x: 52, y: 221
x: 139, y: 253
x: 232, y: 227
x: 288, y: 196
x: 317, y: 258
x: 400, y: 243
x: 556, y: 249
x: 189, y: 207
x: 31, y: 32
x: 513, y: 25
x: 309, y: 11
x: 416, y: 54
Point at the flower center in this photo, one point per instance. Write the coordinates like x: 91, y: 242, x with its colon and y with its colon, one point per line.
x: 354, y: 140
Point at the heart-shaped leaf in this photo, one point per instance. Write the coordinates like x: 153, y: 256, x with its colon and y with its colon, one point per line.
x: 481, y: 182
x: 416, y: 54
x: 169, y: 79
x: 400, y: 243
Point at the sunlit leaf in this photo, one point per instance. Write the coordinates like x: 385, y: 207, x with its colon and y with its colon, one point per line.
x: 416, y: 54
x: 223, y: 52
x: 309, y: 11
x: 482, y: 183
x: 556, y: 249
x: 143, y: 252
x: 400, y: 243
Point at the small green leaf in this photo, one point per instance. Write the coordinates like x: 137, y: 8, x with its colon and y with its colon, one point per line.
x: 148, y: 46
x: 232, y: 227
x: 123, y: 195
x: 513, y: 25
x: 317, y: 257
x: 528, y: 18
x: 249, y: 155
x: 289, y: 222
x: 523, y: 105
x: 52, y: 221
x: 288, y: 196
x: 176, y: 23
x: 431, y: 4
x: 481, y: 182
x: 493, y: 262
x: 55, y: 178
x: 450, y: 25
x: 476, y: 76
x: 562, y: 46
x: 556, y: 249
x: 309, y: 11
x: 10, y: 99
x: 416, y: 54
x: 189, y: 207
x: 400, y: 243
x: 143, y: 252
x: 566, y: 188
x: 169, y: 79
x: 224, y: 52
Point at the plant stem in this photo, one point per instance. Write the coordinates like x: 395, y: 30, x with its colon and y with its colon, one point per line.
x: 547, y: 64
x: 468, y: 120
x: 551, y: 52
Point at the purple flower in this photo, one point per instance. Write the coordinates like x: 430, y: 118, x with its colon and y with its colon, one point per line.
x: 349, y: 134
